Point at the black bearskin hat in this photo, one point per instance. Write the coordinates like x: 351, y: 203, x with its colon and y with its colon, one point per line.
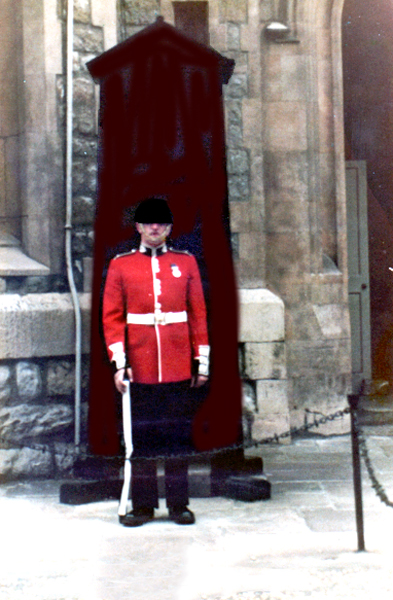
x: 153, y: 210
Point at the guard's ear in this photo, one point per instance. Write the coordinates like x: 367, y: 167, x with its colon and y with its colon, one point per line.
x: 139, y: 228
x: 168, y: 229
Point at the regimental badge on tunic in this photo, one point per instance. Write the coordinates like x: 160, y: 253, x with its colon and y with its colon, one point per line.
x: 175, y: 271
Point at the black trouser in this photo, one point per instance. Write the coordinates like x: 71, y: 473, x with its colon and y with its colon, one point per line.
x: 144, y: 488
x: 161, y: 427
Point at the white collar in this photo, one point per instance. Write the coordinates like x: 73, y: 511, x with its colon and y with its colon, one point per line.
x: 149, y: 250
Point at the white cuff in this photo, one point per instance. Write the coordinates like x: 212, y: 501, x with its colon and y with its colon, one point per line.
x: 203, y: 358
x: 118, y: 355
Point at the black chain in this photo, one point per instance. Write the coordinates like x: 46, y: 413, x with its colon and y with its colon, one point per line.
x: 292, y: 432
x: 375, y: 484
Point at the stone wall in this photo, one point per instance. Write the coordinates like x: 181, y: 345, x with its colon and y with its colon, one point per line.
x: 37, y: 382
x: 287, y: 212
x: 37, y: 416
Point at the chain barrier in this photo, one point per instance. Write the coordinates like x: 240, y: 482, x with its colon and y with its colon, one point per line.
x: 276, y: 438
x: 375, y: 484
x: 291, y: 432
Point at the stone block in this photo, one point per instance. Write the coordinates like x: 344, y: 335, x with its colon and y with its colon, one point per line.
x: 272, y: 398
x: 14, y: 263
x: 252, y: 130
x: 265, y: 360
x: 82, y: 11
x: 141, y: 12
x: 28, y: 380
x: 82, y: 241
x: 84, y: 146
x: 319, y: 356
x: 239, y: 187
x: 233, y: 111
x: 218, y: 35
x: 233, y: 36
x: 84, y: 106
x: 293, y: 78
x: 257, y: 189
x: 26, y: 462
x: 5, y: 388
x: 333, y: 320
x: 301, y: 323
x: 288, y: 259
x: 88, y: 39
x: 261, y: 316
x: 234, y: 134
x: 286, y: 211
x: 285, y: 126
x: 237, y: 161
x: 104, y: 14
x: 2, y: 176
x: 36, y: 284
x: 240, y: 216
x: 83, y: 210
x: 270, y: 426
x: 249, y: 401
x: 8, y: 106
x: 63, y: 457
x: 324, y: 291
x: 233, y: 10
x: 272, y: 80
x: 41, y: 325
x: 287, y: 171
x: 265, y: 10
x: 26, y: 421
x: 84, y: 176
x: 12, y: 183
x: 60, y: 378
x: 272, y: 417
x: 235, y: 245
x: 252, y: 256
x: 325, y: 393
x: 87, y: 263
x: 237, y: 86
x: 338, y: 426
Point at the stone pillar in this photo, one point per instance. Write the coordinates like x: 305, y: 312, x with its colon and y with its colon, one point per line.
x: 305, y: 214
x: 262, y: 337
x: 10, y: 127
x: 42, y: 181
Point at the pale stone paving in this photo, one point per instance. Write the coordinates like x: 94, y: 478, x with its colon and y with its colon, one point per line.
x: 299, y: 544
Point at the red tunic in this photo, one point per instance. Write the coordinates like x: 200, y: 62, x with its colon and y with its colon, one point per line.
x: 141, y: 286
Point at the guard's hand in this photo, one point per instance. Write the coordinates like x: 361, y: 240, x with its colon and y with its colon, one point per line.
x: 199, y: 381
x: 120, y: 384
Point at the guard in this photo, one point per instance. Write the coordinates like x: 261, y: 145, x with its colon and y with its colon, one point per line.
x: 154, y: 321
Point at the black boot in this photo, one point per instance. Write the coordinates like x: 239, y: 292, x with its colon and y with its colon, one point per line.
x: 181, y: 515
x: 137, y: 517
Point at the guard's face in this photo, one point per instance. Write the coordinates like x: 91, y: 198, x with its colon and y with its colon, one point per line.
x: 153, y: 234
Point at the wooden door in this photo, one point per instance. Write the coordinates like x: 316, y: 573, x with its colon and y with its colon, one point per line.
x: 358, y: 272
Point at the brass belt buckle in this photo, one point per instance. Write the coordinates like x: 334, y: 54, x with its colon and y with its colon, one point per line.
x: 159, y: 318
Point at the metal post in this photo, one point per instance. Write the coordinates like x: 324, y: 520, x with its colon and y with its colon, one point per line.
x: 353, y: 400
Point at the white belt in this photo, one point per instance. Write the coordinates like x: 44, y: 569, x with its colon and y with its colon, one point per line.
x: 157, y: 318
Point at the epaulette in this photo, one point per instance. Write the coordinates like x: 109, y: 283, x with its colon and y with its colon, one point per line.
x: 125, y: 254
x: 181, y: 251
